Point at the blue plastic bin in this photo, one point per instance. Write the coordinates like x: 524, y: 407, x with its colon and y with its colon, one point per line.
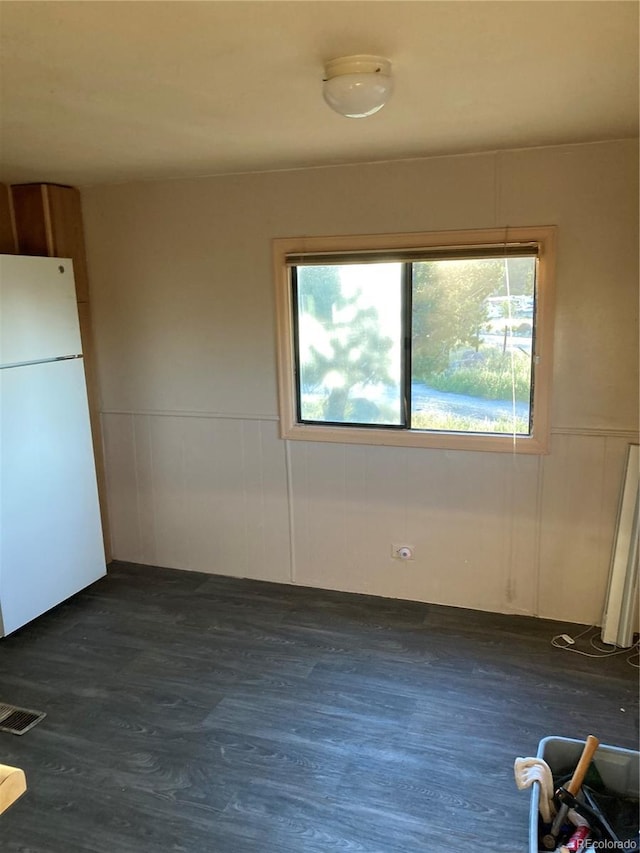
x: 619, y: 768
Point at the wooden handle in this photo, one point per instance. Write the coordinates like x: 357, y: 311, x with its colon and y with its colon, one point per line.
x: 583, y: 765
x: 12, y: 785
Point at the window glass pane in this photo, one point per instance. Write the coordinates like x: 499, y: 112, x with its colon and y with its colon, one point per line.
x: 472, y: 342
x: 349, y: 319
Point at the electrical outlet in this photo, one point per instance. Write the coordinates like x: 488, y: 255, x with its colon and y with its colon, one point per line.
x: 402, y: 552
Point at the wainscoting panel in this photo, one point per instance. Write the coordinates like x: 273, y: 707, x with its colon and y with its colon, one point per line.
x: 118, y: 436
x: 581, y: 484
x: 201, y: 493
x: 490, y: 531
x: 470, y: 518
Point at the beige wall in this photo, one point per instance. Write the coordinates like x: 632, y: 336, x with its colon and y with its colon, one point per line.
x: 183, y: 306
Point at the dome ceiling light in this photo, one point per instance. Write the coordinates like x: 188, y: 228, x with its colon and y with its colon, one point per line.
x: 357, y: 86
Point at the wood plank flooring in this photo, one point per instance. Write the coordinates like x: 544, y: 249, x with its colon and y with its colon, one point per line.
x: 203, y: 714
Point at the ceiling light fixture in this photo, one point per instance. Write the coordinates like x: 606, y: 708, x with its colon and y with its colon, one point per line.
x: 357, y: 86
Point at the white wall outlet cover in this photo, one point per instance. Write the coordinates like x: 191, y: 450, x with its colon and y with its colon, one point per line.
x: 402, y: 552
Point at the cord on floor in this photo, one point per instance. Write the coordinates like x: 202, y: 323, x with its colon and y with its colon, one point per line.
x: 604, y: 650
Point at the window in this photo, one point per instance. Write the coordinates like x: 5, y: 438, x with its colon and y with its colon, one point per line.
x: 430, y: 340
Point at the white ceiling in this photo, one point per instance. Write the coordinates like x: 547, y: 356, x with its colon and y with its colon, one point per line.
x: 109, y: 91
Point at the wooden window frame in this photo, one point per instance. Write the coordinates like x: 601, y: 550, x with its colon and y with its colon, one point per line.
x: 491, y: 238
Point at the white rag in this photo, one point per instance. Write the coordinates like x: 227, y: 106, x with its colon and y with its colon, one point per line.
x: 530, y: 770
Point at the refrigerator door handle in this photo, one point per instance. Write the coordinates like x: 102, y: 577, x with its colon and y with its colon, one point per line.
x: 40, y: 361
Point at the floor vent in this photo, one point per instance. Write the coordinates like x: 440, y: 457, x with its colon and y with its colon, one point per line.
x: 17, y: 721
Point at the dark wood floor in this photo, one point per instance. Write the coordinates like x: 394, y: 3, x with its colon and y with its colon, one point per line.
x: 201, y: 714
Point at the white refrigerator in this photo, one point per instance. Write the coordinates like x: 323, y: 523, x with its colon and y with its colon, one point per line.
x: 50, y: 533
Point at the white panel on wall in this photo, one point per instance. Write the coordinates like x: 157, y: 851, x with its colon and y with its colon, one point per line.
x: 581, y: 482
x: 143, y: 454
x: 169, y: 492
x: 207, y: 498
x: 207, y: 494
x: 469, y: 516
x: 591, y: 193
x: 378, y: 198
x: 522, y: 559
x: 122, y: 488
x: 481, y: 511
x: 345, y: 512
